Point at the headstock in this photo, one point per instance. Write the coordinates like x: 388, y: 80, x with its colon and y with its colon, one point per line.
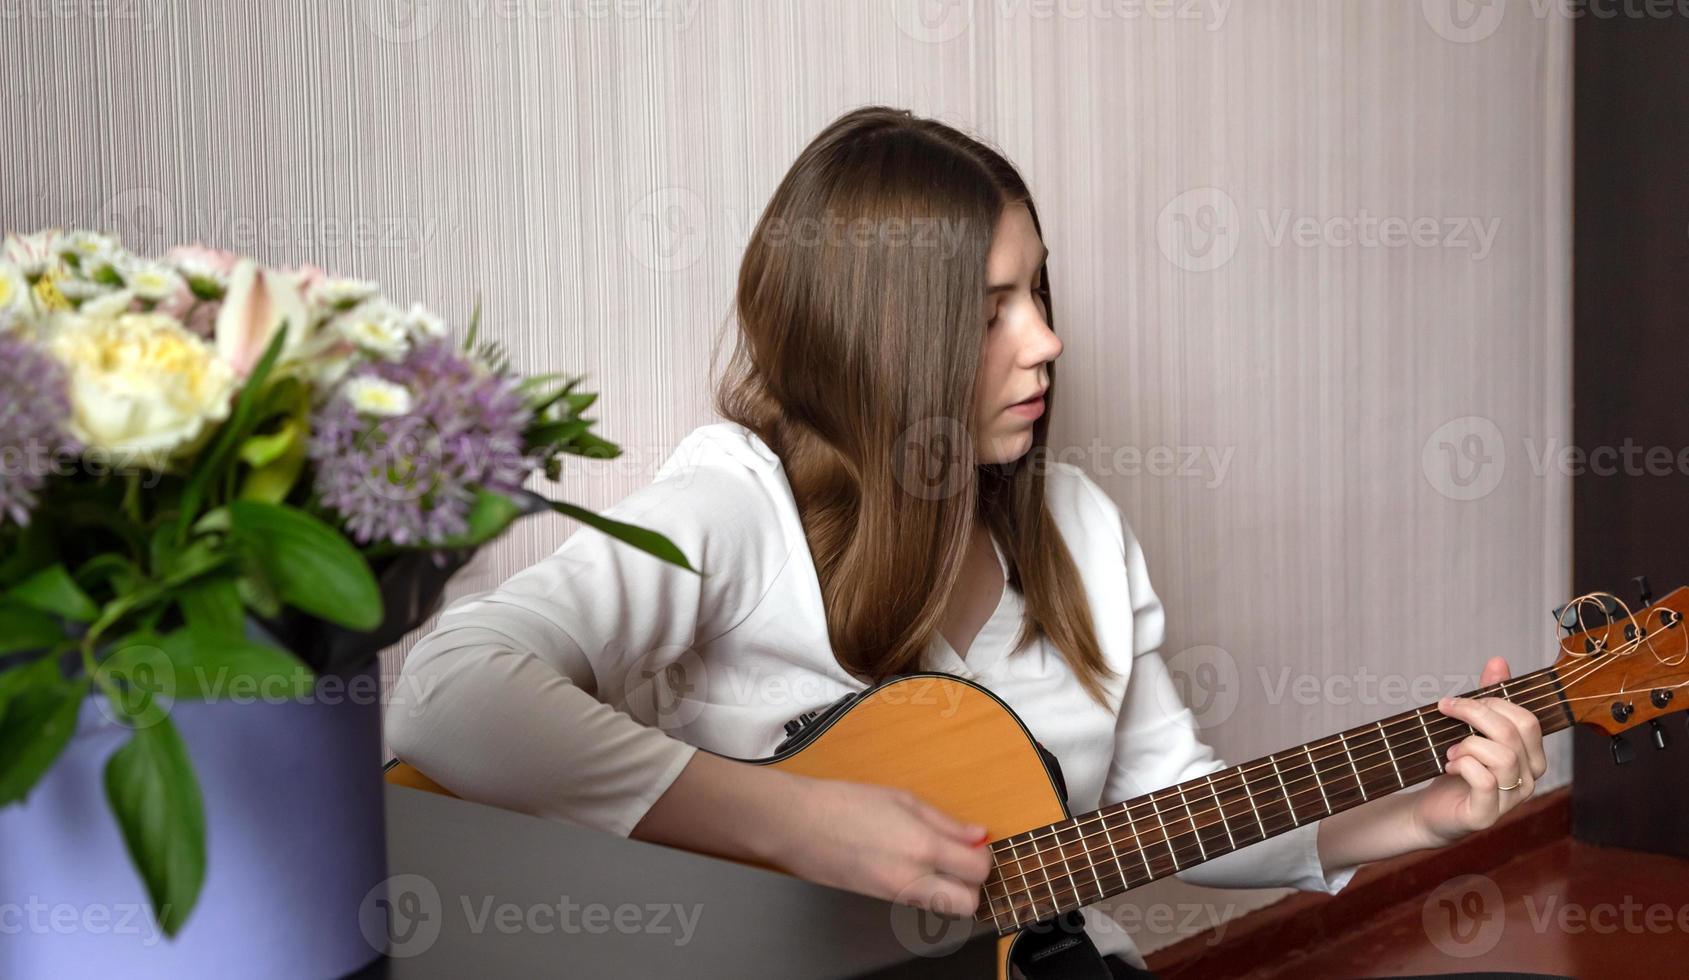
x: 1623, y: 667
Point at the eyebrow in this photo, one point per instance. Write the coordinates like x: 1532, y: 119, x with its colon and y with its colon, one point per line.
x: 1004, y: 287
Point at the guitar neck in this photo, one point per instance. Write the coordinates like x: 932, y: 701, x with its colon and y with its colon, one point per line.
x: 1076, y: 862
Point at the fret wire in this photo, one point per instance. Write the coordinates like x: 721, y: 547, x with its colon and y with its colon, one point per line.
x: 1549, y: 699
x: 1436, y: 756
x: 1085, y: 856
x: 991, y: 900
x: 1314, y: 768
x: 1353, y: 768
x: 1218, y: 805
x: 1250, y: 796
x: 1143, y: 849
x: 1061, y: 852
x: 1108, y: 835
x: 1024, y: 879
x: 1195, y: 832
x: 1295, y: 818
x: 1166, y: 838
x: 1385, y: 736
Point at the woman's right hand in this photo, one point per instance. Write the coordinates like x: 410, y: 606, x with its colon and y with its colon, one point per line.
x: 881, y: 842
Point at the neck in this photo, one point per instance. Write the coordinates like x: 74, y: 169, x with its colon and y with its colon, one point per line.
x: 1076, y: 862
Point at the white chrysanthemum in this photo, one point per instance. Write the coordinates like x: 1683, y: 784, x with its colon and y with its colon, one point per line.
x: 153, y: 281
x: 33, y: 254
x: 93, y: 247
x: 344, y: 292
x: 424, y: 324
x: 377, y: 396
x: 375, y: 326
x: 14, y: 290
x: 78, y: 289
x: 193, y: 268
x: 109, y: 304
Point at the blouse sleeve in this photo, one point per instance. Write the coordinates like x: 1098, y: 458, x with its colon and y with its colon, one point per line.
x: 528, y: 696
x: 1156, y: 746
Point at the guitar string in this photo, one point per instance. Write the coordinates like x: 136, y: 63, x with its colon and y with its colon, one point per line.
x: 1445, y: 729
x: 1543, y: 682
x: 1545, y: 677
x: 1076, y: 888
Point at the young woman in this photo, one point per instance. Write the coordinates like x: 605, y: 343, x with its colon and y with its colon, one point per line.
x: 877, y: 502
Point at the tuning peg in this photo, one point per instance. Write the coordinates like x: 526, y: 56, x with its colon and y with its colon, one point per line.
x: 1622, y: 752
x: 1643, y: 591
x: 1659, y: 732
x: 1566, y: 617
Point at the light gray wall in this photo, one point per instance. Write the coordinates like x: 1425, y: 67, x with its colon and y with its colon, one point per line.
x: 591, y: 170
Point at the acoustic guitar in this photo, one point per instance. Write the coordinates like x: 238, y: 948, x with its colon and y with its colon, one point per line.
x: 958, y: 747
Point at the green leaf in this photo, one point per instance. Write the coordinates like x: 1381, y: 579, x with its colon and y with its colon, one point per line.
x: 213, y: 606
x: 204, y: 664
x: 271, y: 481
x: 642, y: 538
x: 241, y: 419
x: 489, y: 515
x: 23, y: 628
x: 310, y: 564
x: 123, y: 575
x: 593, y: 447
x: 52, y: 590
x: 555, y: 433
x: 34, y: 551
x: 261, y: 450
x: 40, y: 716
x: 151, y: 787
x: 258, y: 594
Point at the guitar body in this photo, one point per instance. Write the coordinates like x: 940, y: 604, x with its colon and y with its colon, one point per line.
x: 948, y: 741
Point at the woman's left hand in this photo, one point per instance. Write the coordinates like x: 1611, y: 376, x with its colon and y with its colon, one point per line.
x: 1488, y: 773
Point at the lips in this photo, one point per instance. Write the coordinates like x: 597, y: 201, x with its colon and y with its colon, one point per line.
x: 1029, y: 400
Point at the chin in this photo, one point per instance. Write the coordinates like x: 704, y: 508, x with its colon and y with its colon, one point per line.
x: 1005, y: 446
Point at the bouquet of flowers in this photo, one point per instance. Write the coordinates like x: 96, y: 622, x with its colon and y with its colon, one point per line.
x: 197, y: 443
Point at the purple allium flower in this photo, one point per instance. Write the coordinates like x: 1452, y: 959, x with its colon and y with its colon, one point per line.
x: 409, y: 478
x: 34, y: 402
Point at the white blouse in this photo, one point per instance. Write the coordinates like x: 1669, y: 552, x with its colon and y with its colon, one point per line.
x: 580, y: 687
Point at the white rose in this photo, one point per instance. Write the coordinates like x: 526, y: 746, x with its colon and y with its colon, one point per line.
x: 141, y: 385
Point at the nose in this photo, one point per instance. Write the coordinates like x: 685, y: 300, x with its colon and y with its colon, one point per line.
x: 1043, y: 346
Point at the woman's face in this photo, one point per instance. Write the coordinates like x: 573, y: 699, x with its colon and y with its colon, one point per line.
x: 1018, y: 341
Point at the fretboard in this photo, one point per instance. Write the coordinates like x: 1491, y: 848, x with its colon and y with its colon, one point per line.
x: 1082, y: 860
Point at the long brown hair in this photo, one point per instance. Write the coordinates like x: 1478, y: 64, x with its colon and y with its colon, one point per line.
x: 860, y: 307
